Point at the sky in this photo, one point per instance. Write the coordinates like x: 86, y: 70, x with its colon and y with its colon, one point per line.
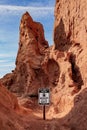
x: 11, y: 12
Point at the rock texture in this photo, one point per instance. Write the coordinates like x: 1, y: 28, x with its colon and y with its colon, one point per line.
x: 70, y: 33
x: 61, y: 67
x: 9, y: 120
x: 15, y: 117
x: 28, y: 75
x: 70, y: 49
x: 70, y: 36
x: 38, y: 65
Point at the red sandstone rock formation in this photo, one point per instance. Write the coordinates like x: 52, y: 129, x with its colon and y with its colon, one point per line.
x: 15, y: 117
x: 70, y: 39
x: 28, y: 75
x: 8, y: 107
x: 62, y: 67
x: 70, y: 31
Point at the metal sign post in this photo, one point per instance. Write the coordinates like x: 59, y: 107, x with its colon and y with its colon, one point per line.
x: 44, y: 98
x: 44, y: 117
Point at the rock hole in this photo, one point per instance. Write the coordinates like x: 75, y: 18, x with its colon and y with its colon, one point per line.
x: 76, y: 75
x: 31, y: 28
x: 37, y: 30
x: 53, y: 72
x: 36, y: 38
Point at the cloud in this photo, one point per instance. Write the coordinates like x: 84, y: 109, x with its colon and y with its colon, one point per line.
x: 6, y: 61
x: 10, y: 64
x: 2, y: 61
x: 6, y: 66
x: 6, y: 69
x: 19, y: 8
x: 7, y: 55
x: 16, y: 10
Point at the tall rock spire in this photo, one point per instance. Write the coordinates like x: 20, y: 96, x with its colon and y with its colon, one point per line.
x: 31, y: 52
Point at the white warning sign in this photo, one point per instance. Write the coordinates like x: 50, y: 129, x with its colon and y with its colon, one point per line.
x: 44, y: 96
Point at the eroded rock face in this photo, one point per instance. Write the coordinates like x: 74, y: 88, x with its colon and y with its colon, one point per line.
x: 70, y: 30
x: 61, y: 67
x: 32, y: 46
x: 38, y: 65
x: 70, y: 37
x: 8, y: 107
x: 28, y: 75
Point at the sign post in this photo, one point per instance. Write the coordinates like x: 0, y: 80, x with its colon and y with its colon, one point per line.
x: 44, y: 117
x: 44, y: 99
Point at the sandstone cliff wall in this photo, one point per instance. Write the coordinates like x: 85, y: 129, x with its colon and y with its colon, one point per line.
x: 70, y: 37
x: 70, y: 31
